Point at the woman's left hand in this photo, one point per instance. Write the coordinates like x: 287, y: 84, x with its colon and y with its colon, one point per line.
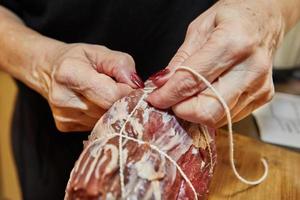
x: 232, y: 46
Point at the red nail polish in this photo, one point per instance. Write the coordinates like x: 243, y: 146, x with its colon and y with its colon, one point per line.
x: 159, y: 74
x: 137, y: 80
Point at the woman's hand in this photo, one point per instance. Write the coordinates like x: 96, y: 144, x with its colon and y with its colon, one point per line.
x: 232, y: 46
x: 81, y: 81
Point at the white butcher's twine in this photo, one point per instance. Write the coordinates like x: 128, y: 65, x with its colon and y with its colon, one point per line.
x: 153, y: 147
x: 228, y: 116
x: 121, y: 145
x: 206, y: 133
x: 231, y: 149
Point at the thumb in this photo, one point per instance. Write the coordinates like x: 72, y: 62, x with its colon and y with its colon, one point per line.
x: 121, y: 66
x: 118, y: 65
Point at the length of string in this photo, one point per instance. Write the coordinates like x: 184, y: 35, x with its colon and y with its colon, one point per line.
x: 228, y: 116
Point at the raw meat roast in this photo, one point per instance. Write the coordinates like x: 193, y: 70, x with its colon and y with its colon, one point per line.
x: 148, y: 174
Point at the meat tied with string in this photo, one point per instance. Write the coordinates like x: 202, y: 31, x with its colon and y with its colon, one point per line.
x: 148, y: 174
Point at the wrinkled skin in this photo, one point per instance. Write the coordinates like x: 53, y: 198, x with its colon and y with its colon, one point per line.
x: 231, y: 45
x: 83, y: 81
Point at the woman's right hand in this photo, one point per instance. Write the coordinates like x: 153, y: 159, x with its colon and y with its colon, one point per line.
x: 81, y: 81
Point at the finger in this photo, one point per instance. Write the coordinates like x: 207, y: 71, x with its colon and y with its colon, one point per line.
x: 67, y: 115
x: 63, y: 98
x: 261, y: 92
x: 248, y: 109
x: 238, y: 88
x: 244, y: 101
x: 115, y: 64
x: 251, y: 107
x: 98, y: 88
x: 205, y: 107
x: 72, y: 127
x: 94, y: 111
x: 252, y: 78
x: 220, y: 52
x: 262, y: 96
x: 104, y: 91
x: 239, y: 116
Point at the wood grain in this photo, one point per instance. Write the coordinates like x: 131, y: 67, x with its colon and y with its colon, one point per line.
x: 282, y: 183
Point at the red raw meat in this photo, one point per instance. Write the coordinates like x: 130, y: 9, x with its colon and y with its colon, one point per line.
x: 147, y: 173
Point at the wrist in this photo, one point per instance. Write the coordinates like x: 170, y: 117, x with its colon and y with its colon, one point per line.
x: 41, y: 64
x: 24, y: 51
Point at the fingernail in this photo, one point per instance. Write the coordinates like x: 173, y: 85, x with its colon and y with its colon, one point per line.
x: 137, y: 80
x: 159, y: 74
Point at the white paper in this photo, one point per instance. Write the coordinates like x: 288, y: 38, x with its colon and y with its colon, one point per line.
x: 279, y: 120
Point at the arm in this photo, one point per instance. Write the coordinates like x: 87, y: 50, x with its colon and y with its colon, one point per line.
x: 232, y: 45
x: 23, y: 50
x: 80, y: 81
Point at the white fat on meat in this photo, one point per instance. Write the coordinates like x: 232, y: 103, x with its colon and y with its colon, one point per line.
x: 113, y: 164
x: 174, y: 143
x: 145, y: 168
x: 110, y: 196
x: 138, y: 127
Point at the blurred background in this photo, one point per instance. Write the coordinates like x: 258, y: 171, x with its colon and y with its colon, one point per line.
x: 9, y: 187
x: 286, y: 76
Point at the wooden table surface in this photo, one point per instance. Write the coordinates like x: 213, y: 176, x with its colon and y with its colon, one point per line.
x: 282, y: 183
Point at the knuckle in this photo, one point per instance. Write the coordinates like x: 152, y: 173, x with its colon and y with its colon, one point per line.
x: 78, y: 47
x: 62, y: 97
x: 106, y: 96
x: 108, y: 101
x: 205, y: 118
x: 204, y: 115
x: 97, y: 47
x: 63, y: 72
x: 209, y: 113
x: 55, y: 98
x: 123, y: 59
x: 265, y: 94
x: 62, y: 127
x: 57, y: 74
x: 191, y: 28
x: 268, y: 94
x: 156, y: 99
x: 186, y: 86
x: 181, y: 56
x: 238, y: 42
x: 245, y: 39
x: 240, y: 45
x: 70, y: 127
x: 265, y: 65
x: 261, y: 64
